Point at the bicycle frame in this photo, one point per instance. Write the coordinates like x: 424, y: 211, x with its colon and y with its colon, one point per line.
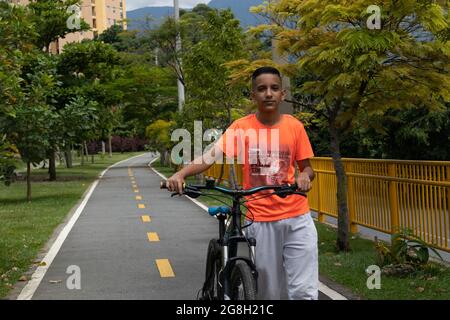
x: 229, y: 240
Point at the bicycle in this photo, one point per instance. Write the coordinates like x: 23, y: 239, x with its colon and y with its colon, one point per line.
x: 229, y: 276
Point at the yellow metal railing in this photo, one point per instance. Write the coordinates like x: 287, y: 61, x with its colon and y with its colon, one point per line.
x: 383, y: 195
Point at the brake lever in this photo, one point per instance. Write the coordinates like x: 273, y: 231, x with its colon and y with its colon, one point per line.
x: 189, y: 191
x: 193, y: 193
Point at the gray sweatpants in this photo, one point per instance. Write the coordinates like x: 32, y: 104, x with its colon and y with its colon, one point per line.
x: 286, y: 258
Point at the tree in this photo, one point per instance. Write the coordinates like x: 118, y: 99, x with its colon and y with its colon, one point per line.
x: 206, y: 73
x: 111, y: 35
x: 78, y: 119
x: 51, y: 21
x: 8, y: 153
x: 16, y: 37
x: 424, y: 131
x: 50, y: 18
x: 30, y: 127
x: 164, y: 40
x: 353, y: 70
x: 158, y: 134
x: 210, y: 96
x: 89, y: 68
x: 149, y: 94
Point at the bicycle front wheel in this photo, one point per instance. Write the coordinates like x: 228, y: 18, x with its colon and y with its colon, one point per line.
x: 243, y: 284
x: 212, y: 288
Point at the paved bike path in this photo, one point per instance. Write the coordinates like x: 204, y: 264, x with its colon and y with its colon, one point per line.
x: 117, y: 250
x: 110, y: 242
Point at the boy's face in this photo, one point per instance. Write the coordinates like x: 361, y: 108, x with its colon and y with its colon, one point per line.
x: 267, y: 92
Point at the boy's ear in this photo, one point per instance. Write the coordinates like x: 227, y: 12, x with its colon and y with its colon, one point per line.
x: 283, y: 94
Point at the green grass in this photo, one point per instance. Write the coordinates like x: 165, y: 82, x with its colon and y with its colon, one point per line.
x: 26, y: 226
x: 348, y: 269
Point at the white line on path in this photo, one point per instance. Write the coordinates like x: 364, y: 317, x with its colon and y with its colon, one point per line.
x: 334, y: 295
x: 201, y: 205
x: 29, y: 290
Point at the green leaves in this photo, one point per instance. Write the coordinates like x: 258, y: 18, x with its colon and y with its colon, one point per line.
x: 406, y: 247
x: 88, y: 61
x: 50, y: 19
x: 361, y: 40
x: 211, y: 97
x: 158, y: 134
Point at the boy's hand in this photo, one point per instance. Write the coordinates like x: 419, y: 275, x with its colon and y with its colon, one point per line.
x: 175, y: 183
x: 303, y: 182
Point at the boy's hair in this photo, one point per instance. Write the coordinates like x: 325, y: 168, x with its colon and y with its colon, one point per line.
x: 264, y: 70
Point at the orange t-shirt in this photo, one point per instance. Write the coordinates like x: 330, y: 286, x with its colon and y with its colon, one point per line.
x: 269, y: 158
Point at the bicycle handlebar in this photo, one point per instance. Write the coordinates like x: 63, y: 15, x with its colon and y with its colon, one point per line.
x: 279, y: 189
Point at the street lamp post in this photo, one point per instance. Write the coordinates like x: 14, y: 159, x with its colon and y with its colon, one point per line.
x: 181, y: 97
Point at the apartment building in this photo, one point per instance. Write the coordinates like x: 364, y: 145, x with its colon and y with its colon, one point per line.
x: 99, y: 14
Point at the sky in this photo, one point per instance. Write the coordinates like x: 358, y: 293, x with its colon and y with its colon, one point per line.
x: 135, y: 4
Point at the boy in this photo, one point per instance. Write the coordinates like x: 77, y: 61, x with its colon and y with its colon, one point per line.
x: 273, y: 143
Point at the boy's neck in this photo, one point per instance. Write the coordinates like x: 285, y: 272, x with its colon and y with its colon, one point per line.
x: 268, y: 119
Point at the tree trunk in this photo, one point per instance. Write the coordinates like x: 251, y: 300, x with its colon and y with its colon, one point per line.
x: 52, y: 165
x: 28, y: 181
x: 103, y: 148
x: 82, y: 155
x: 232, y: 173
x: 233, y: 177
x: 166, y: 159
x: 222, y: 171
x: 110, y: 146
x: 68, y: 157
x: 342, y: 243
x: 92, y: 158
x: 162, y: 156
x: 87, y: 151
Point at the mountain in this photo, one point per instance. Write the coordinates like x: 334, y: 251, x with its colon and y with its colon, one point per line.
x: 156, y: 14
x: 240, y: 9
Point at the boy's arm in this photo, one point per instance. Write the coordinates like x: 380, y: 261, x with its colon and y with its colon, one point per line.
x: 306, y: 175
x: 175, y: 182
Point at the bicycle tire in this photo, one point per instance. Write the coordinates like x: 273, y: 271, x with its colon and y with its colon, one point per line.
x: 212, y: 289
x: 243, y: 284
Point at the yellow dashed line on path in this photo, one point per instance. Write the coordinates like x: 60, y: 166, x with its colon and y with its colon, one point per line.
x: 152, y: 236
x: 138, y: 198
x: 165, y: 269
x: 136, y: 191
x: 146, y: 219
x: 141, y: 206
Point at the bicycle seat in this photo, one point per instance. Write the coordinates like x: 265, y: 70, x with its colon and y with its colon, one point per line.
x: 213, y: 211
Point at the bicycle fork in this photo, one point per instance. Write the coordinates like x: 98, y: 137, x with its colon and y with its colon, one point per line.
x: 230, y: 250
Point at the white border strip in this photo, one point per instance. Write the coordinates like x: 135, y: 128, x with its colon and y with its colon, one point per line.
x: 32, y: 285
x: 334, y: 295
x: 201, y: 205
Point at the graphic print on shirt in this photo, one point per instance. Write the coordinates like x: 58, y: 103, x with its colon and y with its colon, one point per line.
x: 269, y: 167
